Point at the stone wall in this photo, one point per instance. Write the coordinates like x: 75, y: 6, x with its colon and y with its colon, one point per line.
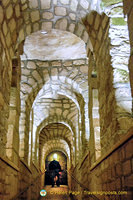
x: 98, y: 27
x: 128, y: 10
x: 111, y: 119
x: 9, y: 182
x: 19, y: 19
x: 14, y: 179
x: 10, y: 22
x: 112, y: 172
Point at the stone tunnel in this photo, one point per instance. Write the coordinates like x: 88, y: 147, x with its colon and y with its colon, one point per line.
x: 66, y: 92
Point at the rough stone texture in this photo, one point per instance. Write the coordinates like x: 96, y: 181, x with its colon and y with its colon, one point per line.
x: 57, y: 90
x: 112, y: 174
x: 59, y: 11
x: 128, y: 9
x: 47, y: 15
x: 45, y: 4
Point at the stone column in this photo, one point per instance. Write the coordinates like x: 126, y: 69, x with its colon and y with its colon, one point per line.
x: 3, y: 124
x: 24, y: 123
x: 12, y: 145
x: 92, y: 84
x: 128, y: 10
x: 30, y: 138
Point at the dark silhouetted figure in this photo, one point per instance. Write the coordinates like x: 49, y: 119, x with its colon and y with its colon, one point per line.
x: 55, y: 168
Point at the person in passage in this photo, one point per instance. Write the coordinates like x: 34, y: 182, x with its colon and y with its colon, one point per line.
x: 55, y: 168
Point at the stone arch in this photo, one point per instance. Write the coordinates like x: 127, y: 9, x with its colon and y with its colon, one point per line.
x: 54, y: 131
x: 79, y: 86
x: 97, y: 24
x: 51, y: 145
x: 37, y: 76
x: 66, y: 16
x: 66, y: 123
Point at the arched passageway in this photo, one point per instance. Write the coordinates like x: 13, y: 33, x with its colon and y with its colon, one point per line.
x: 66, y: 86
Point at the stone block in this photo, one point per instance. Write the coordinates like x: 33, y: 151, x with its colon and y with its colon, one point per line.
x: 118, y: 169
x: 25, y: 88
x: 9, y: 153
x: 85, y: 37
x: 104, y: 21
x: 36, y: 27
x: 5, y: 29
x: 47, y: 15
x: 65, y: 2
x: 80, y: 29
x: 84, y: 4
x: 60, y: 11
x: 28, y: 29
x: 54, y: 72
x: 1, y: 15
x: 8, y: 39
x: 129, y: 149
x: 90, y: 18
x: 79, y: 62
x: 21, y: 35
x: 26, y: 17
x: 42, y: 64
x: 9, y: 12
x: 72, y: 28
x: 17, y: 10
x: 45, y: 4
x: 97, y: 21
x: 129, y: 181
x: 73, y: 5
x: 100, y: 33
x: 31, y: 65
x: 45, y: 75
x: 12, y: 25
x: 118, y: 184
x: 65, y: 113
x: 46, y: 25
x: 72, y: 16
x: 56, y: 63
x: 31, y: 81
x: 35, y: 16
x: 61, y: 24
x: 126, y: 167
x: 66, y: 105
x: 84, y: 69
x: 33, y: 4
x: 24, y: 7
x: 36, y: 75
x: 5, y: 2
x: 67, y: 63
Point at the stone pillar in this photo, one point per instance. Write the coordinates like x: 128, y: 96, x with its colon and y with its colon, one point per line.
x: 128, y: 10
x: 30, y: 138
x: 24, y: 123
x: 92, y: 138
x: 96, y: 124
x: 12, y: 145
x: 90, y: 106
x: 3, y: 124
